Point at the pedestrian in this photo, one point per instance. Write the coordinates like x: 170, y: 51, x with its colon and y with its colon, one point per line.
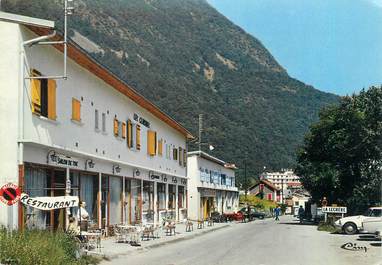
x: 277, y: 213
x: 301, y: 213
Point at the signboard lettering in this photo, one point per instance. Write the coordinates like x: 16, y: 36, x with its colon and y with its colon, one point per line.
x: 62, y: 160
x: 49, y: 203
x: 10, y: 194
x: 340, y: 210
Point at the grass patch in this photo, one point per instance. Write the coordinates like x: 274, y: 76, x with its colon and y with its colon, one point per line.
x: 326, y: 227
x: 40, y: 248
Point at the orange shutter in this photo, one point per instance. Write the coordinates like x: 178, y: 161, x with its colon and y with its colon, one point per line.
x: 52, y: 99
x: 123, y: 130
x: 76, y: 110
x: 129, y: 134
x: 138, y: 137
x: 160, y: 147
x: 151, y: 143
x: 116, y: 123
x: 36, y: 95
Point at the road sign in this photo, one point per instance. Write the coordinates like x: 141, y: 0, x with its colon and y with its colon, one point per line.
x: 329, y: 209
x: 10, y: 194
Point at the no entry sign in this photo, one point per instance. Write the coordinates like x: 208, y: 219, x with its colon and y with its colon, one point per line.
x: 10, y: 193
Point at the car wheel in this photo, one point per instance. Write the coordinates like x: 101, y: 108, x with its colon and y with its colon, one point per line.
x: 261, y: 217
x: 350, y: 228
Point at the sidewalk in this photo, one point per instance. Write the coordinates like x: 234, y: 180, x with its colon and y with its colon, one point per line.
x: 110, y: 249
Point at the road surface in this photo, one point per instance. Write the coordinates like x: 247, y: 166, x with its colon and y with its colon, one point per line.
x: 262, y: 242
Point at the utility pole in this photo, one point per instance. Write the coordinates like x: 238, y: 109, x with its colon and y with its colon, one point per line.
x: 200, y: 132
x: 245, y: 176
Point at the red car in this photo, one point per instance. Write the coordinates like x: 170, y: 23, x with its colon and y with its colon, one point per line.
x: 234, y: 216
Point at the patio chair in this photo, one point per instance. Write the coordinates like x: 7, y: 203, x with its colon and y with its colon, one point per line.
x: 189, y: 226
x: 170, y: 228
x: 119, y: 234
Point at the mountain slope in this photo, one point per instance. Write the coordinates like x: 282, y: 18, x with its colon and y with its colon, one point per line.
x: 189, y: 59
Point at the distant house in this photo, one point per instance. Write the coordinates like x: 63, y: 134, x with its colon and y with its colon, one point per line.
x: 266, y: 190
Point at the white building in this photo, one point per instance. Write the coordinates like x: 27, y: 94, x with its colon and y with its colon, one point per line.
x: 211, y: 186
x: 91, y: 136
x: 283, y: 179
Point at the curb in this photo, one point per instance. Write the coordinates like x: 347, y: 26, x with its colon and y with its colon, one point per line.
x: 159, y: 244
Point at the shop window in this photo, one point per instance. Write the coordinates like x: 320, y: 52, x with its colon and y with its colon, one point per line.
x: 175, y: 153
x: 181, y: 197
x: 161, y: 191
x: 151, y: 143
x: 96, y: 119
x: 123, y: 125
x: 104, y: 122
x: 76, y: 110
x: 160, y: 147
x: 138, y: 136
x: 43, y: 96
x: 129, y: 134
x: 171, y: 196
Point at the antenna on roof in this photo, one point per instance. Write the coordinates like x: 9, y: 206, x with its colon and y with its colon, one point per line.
x: 68, y: 10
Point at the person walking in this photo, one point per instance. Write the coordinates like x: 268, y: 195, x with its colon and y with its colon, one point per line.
x: 277, y: 213
x: 301, y: 213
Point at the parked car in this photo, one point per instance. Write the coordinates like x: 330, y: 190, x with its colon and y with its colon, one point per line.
x: 353, y: 224
x: 218, y: 218
x: 253, y: 213
x: 234, y: 216
x: 372, y: 225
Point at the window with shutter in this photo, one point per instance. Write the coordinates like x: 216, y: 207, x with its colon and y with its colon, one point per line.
x: 76, y: 110
x: 52, y: 99
x: 116, y: 125
x: 129, y: 134
x: 123, y: 130
x: 96, y: 118
x: 184, y: 157
x: 180, y: 156
x: 104, y: 122
x: 138, y: 137
x: 151, y: 143
x: 36, y: 96
x: 175, y: 153
x: 160, y: 147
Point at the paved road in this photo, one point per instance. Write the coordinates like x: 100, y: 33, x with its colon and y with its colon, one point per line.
x: 263, y: 242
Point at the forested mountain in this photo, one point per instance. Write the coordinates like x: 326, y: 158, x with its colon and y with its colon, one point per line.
x: 189, y: 59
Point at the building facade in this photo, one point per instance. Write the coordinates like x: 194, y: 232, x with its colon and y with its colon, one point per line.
x: 211, y: 186
x: 282, y: 179
x: 90, y: 136
x: 266, y: 190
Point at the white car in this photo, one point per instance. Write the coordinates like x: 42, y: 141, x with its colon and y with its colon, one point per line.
x: 353, y: 224
x: 372, y: 225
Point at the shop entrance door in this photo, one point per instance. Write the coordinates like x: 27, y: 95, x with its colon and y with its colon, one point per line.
x: 58, y: 182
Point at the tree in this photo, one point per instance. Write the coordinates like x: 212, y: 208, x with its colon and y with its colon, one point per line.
x: 342, y: 153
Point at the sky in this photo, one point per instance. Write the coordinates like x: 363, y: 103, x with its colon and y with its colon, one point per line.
x: 333, y: 45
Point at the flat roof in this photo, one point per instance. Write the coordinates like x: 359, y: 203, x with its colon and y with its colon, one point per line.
x: 29, y: 21
x: 212, y: 159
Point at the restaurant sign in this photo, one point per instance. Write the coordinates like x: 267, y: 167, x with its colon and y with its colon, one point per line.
x: 62, y: 160
x: 49, y: 203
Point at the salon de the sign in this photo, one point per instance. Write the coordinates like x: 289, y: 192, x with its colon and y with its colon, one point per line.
x: 62, y: 160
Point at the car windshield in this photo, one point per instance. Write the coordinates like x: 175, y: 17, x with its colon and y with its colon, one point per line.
x: 374, y: 212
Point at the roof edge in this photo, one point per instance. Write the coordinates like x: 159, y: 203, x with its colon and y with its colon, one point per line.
x: 25, y: 20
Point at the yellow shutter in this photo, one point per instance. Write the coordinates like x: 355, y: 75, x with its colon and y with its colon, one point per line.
x: 138, y: 137
x: 129, y: 134
x: 184, y: 157
x: 115, y: 127
x: 76, y: 110
x: 151, y: 143
x: 160, y: 147
x: 52, y: 99
x: 123, y: 130
x: 180, y: 156
x: 36, y: 95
